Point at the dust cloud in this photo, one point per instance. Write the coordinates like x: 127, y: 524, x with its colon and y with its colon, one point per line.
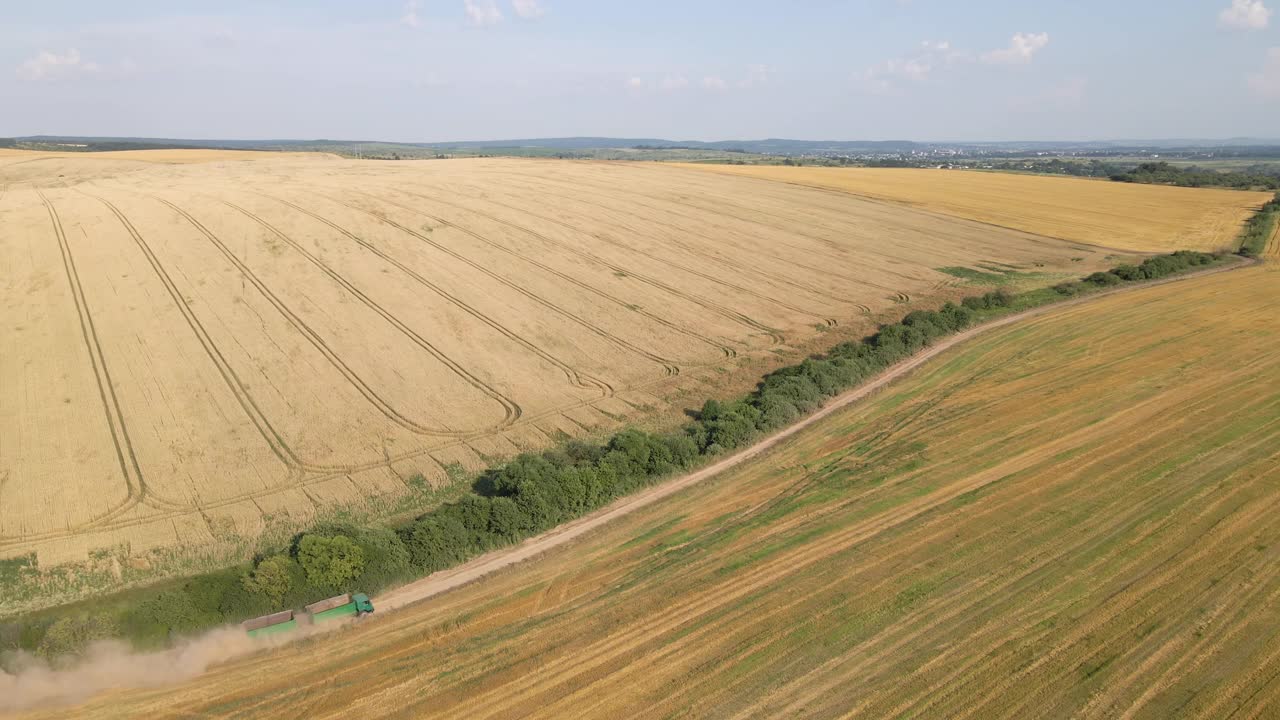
x: 30, y: 682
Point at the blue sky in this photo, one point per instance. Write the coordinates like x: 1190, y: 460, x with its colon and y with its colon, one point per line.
x: 436, y: 70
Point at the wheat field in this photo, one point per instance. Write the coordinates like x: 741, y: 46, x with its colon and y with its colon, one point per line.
x: 201, y: 347
x: 1147, y: 218
x: 1065, y: 517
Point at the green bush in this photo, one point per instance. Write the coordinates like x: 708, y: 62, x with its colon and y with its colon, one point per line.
x: 271, y: 578
x: 72, y: 635
x: 330, y: 562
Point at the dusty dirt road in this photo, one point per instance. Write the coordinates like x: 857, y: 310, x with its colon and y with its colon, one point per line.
x: 468, y: 572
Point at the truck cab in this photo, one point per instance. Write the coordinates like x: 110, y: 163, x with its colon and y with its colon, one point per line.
x: 364, y: 606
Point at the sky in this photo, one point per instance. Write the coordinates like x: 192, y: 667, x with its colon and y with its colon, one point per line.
x: 440, y: 70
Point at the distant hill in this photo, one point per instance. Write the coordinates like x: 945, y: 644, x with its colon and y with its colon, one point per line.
x: 768, y: 146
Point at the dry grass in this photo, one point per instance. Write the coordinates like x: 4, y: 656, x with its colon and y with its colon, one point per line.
x: 1069, y: 516
x: 1145, y: 218
x: 197, y: 352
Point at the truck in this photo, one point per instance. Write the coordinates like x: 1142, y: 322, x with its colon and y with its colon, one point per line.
x: 317, y: 613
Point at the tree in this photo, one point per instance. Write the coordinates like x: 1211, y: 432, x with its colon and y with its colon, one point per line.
x: 435, y: 542
x: 74, y: 634
x: 270, y: 578
x: 330, y: 562
x: 505, y: 519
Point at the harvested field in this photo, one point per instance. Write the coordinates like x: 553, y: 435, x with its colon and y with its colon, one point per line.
x: 1069, y: 516
x: 191, y: 339
x: 1148, y: 218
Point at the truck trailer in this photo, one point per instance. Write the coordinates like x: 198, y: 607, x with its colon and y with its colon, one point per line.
x: 334, y: 608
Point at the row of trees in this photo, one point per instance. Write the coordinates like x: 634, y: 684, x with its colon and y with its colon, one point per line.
x: 537, y: 491
x: 1153, y: 268
x: 1162, y: 173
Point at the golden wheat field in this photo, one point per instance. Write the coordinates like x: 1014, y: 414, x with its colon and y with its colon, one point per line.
x: 201, y: 346
x: 1149, y: 218
x: 1066, y: 517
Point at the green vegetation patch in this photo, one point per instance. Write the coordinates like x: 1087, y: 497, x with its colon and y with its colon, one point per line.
x: 979, y: 277
x: 1258, y: 230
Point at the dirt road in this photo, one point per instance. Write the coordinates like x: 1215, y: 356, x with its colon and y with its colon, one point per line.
x: 468, y: 572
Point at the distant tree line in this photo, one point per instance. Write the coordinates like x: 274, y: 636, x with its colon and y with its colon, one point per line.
x: 1162, y: 173
x: 532, y: 492
x: 1255, y: 177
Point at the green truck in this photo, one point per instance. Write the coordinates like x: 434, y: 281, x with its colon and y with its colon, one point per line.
x: 335, y: 608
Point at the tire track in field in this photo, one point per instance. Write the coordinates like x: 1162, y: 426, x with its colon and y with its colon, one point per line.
x: 274, y: 440
x: 830, y: 322
x: 669, y: 366
x: 773, y: 334
x: 511, y: 410
x: 712, y: 257
x: 1033, y: 236
x: 135, y: 483
x: 773, y: 257
x: 789, y: 225
x: 577, y: 378
x: 723, y: 348
x: 329, y: 473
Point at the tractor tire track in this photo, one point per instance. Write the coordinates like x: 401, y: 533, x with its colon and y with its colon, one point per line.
x: 274, y: 440
x: 511, y: 410
x: 789, y: 225
x: 711, y: 305
x: 325, y: 474
x: 726, y: 349
x: 713, y: 257
x: 577, y: 378
x: 1034, y: 237
x: 669, y: 366
x: 716, y: 258
x: 135, y: 482
x: 774, y: 335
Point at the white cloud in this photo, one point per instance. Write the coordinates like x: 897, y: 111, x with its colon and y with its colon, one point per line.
x: 1022, y: 46
x: 883, y: 76
x: 754, y: 76
x: 1267, y: 82
x: 482, y: 12
x: 1245, y: 15
x: 410, y: 16
x: 48, y: 64
x: 528, y: 9
x: 667, y: 83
